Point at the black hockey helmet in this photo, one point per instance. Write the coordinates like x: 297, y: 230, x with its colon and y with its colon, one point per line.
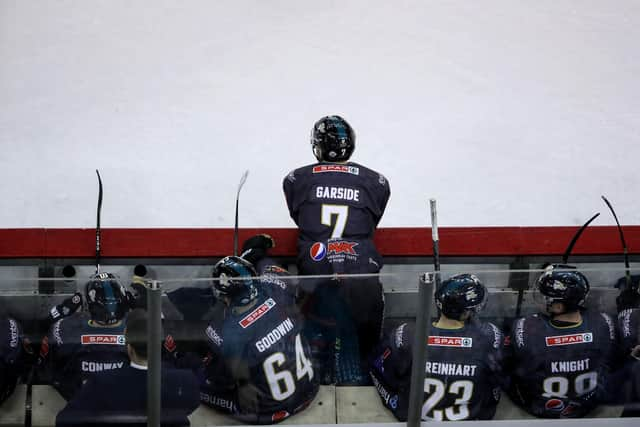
x: 460, y: 294
x: 235, y: 280
x: 559, y: 283
x: 332, y: 139
x: 106, y: 298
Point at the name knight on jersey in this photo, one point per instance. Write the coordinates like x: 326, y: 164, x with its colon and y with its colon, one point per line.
x: 570, y: 366
x: 275, y: 335
x: 441, y: 368
x: 339, y: 193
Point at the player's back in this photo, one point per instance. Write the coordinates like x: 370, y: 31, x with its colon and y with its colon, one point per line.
x: 78, y: 349
x: 265, y: 350
x: 336, y: 200
x: 561, y: 371
x: 463, y: 372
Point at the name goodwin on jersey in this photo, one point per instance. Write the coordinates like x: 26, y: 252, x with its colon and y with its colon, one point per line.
x: 275, y: 335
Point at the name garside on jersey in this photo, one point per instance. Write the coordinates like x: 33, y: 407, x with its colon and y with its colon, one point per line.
x: 257, y: 313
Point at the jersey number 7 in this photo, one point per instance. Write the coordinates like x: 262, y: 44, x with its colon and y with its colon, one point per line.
x: 281, y: 383
x: 341, y: 212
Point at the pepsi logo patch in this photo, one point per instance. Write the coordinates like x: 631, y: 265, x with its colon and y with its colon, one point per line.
x: 439, y: 341
x: 318, y: 251
x: 554, y: 405
x: 336, y: 168
x: 586, y: 337
x: 278, y: 416
x: 257, y: 313
x: 102, y: 339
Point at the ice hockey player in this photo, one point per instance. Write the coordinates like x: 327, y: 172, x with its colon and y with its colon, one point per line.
x: 337, y: 205
x: 259, y: 366
x: 628, y: 377
x: 561, y: 358
x: 81, y: 345
x: 10, y: 356
x: 464, y: 369
x: 126, y: 388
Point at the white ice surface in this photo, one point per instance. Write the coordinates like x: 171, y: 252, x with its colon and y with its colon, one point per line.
x: 508, y: 113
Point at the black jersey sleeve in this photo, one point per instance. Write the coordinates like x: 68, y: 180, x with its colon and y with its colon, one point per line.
x: 10, y: 356
x: 391, y: 369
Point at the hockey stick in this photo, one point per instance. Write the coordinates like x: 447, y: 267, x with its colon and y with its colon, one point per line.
x: 98, y: 223
x: 627, y: 269
x: 235, y: 228
x: 436, y: 241
x: 567, y: 252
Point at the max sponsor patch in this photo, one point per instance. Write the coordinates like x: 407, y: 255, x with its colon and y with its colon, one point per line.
x: 341, y: 247
x: 102, y: 339
x: 586, y: 337
x: 439, y: 341
x: 336, y: 168
x: 257, y: 313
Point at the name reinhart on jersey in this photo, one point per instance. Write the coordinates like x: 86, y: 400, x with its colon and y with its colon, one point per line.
x: 444, y: 368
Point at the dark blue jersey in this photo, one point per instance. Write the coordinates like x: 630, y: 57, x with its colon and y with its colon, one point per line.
x: 260, y: 369
x: 463, y: 372
x: 77, y: 348
x: 336, y: 207
x: 562, y: 371
x: 10, y: 356
x: 629, y: 329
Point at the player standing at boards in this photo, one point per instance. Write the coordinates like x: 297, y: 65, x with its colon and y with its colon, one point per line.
x: 561, y: 358
x: 337, y: 205
x: 464, y: 370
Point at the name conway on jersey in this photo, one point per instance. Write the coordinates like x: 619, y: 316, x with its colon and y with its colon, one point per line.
x: 76, y: 349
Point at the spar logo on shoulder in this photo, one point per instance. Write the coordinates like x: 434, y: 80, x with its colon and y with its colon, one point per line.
x: 318, y: 251
x: 439, y: 341
x: 102, y: 339
x: 257, y: 313
x: 336, y: 168
x: 583, y: 338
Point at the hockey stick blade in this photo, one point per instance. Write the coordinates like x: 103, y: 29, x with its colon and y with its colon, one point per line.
x: 625, y: 252
x: 567, y: 252
x: 243, y: 179
x: 99, y: 210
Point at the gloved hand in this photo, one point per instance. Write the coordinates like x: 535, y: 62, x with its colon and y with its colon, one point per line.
x: 629, y: 296
x: 138, y: 298
x: 66, y: 308
x: 255, y: 248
